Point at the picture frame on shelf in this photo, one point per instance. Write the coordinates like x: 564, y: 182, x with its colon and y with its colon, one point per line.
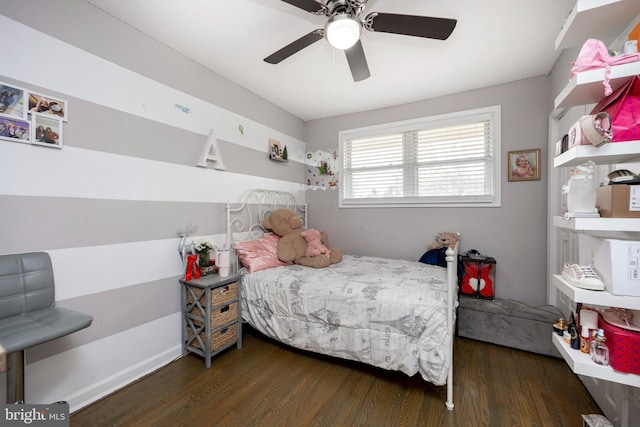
x: 48, y: 106
x: 46, y: 131
x: 15, y: 130
x: 12, y: 101
x: 276, y: 152
x: 524, y: 165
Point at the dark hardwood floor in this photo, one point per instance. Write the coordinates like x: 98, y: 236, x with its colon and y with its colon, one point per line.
x: 268, y: 384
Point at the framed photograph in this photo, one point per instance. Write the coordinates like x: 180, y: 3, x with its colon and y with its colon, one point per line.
x: 524, y: 165
x: 12, y: 102
x: 47, y: 106
x: 46, y: 131
x: 15, y: 130
x: 276, y: 152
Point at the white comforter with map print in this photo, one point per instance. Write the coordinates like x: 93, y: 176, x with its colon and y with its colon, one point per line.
x: 383, y: 312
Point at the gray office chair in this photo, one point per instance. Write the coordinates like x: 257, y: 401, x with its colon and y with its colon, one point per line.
x: 28, y: 314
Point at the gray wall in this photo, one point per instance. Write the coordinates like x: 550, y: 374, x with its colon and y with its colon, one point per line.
x: 515, y: 234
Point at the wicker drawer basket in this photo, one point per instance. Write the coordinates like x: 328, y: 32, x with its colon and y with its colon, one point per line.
x: 219, y: 338
x: 219, y: 316
x: 219, y: 295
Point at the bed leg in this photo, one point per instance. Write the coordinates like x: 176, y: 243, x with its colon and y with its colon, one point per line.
x: 449, y: 402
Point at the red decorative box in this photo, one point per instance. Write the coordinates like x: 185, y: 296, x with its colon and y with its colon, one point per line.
x: 624, y: 347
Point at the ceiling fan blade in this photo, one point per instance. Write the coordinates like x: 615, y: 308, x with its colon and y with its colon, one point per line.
x: 357, y: 62
x: 410, y: 25
x: 295, y: 46
x: 308, y: 5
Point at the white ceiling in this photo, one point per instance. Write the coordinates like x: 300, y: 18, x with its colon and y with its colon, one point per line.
x: 494, y: 42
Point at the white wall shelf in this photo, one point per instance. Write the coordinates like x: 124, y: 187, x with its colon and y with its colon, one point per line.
x: 601, y: 298
x: 581, y: 364
x: 611, y: 153
x: 587, y: 88
x: 595, y: 18
x: 598, y: 224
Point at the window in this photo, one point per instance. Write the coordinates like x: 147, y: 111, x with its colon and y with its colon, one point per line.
x: 451, y: 159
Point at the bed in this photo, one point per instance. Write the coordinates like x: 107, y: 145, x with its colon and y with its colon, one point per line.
x: 390, y: 313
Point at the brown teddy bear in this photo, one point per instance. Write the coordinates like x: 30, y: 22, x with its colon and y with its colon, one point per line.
x: 444, y: 239
x: 292, y: 246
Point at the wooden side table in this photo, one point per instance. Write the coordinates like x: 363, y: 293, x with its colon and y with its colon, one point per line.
x: 211, y: 319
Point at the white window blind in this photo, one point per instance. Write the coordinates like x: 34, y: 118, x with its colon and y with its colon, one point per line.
x: 449, y: 159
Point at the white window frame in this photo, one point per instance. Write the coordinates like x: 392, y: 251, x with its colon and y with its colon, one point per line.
x: 492, y: 113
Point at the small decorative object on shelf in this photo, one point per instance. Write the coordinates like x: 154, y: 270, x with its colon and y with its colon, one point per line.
x: 223, y: 261
x: 581, y: 190
x: 276, y: 152
x: 574, y: 337
x: 193, y: 271
x: 202, y: 248
x: 210, y: 269
x: 599, y: 351
x: 182, y: 245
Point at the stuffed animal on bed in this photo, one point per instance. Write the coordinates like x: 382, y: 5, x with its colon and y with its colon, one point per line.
x: 292, y: 246
x: 446, y: 239
x: 314, y: 243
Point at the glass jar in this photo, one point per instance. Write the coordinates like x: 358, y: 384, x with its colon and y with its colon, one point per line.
x: 599, y: 351
x: 203, y: 259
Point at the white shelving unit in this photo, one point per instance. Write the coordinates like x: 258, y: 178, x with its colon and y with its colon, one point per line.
x: 597, y: 19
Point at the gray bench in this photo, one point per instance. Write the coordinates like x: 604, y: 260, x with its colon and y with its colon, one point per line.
x: 28, y: 314
x: 508, y: 323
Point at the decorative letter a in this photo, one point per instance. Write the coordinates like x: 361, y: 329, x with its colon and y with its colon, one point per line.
x: 211, y: 151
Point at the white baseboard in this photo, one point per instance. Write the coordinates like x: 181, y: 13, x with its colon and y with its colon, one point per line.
x: 121, y: 379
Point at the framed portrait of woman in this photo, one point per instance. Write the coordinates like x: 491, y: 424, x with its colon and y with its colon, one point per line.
x: 524, y: 165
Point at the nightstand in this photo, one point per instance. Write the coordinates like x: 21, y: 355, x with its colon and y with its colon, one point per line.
x: 211, y: 319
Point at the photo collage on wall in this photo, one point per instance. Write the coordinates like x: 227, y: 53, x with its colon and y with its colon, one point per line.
x: 31, y: 117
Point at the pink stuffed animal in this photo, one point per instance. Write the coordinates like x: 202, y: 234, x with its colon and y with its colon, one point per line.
x: 314, y: 244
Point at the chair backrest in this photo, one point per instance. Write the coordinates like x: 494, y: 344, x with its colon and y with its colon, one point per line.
x: 26, y: 283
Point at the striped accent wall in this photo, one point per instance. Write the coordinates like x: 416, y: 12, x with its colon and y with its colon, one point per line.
x: 107, y: 206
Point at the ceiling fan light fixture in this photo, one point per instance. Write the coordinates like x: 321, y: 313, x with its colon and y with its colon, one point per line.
x: 343, y: 31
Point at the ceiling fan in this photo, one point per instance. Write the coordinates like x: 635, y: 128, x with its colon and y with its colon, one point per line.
x: 344, y: 28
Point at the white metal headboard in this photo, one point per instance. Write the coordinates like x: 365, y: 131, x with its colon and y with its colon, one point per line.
x: 244, y: 219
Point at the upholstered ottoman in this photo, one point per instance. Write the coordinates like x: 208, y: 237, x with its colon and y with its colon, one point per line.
x: 509, y: 323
